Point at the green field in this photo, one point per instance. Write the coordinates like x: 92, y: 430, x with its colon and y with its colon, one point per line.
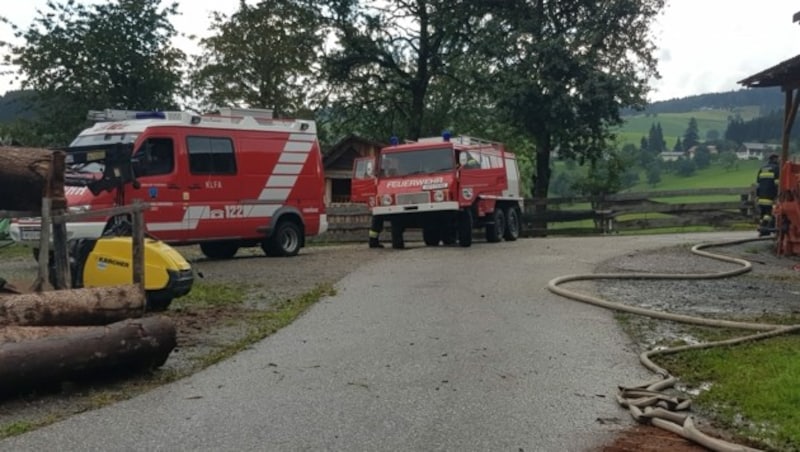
x: 713, y: 177
x: 674, y: 125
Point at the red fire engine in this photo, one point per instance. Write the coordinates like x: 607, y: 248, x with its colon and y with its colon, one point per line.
x: 445, y: 186
x: 228, y: 180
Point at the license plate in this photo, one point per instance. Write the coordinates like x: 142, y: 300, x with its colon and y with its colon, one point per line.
x: 30, y: 234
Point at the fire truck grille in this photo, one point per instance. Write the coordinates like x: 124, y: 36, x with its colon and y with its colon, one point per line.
x: 413, y: 198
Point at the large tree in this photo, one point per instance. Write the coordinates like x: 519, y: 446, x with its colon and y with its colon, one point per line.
x: 263, y: 55
x: 115, y: 54
x: 691, y: 137
x: 563, y: 69
x: 403, y: 67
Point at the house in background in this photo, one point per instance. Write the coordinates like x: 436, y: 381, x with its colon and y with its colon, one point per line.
x: 757, y: 151
x: 671, y: 156
x: 338, y: 165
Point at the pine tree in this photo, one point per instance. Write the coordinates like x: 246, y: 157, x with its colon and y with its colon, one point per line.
x: 678, y: 145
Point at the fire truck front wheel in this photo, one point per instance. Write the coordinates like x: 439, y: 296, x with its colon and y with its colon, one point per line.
x: 431, y: 235
x: 465, y: 228
x: 398, y: 242
x: 285, y: 240
x: 222, y: 249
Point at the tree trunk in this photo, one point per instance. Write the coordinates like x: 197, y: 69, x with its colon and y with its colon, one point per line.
x: 29, y: 174
x: 126, y: 346
x: 90, y: 306
x: 540, y: 186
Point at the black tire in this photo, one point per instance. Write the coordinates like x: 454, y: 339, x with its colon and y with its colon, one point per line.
x: 285, y: 241
x: 398, y: 242
x: 465, y: 228
x: 449, y: 236
x: 431, y: 235
x: 496, y: 227
x: 513, y: 224
x: 222, y: 249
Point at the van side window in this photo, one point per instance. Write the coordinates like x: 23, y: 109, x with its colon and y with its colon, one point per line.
x: 211, y: 155
x: 161, y: 156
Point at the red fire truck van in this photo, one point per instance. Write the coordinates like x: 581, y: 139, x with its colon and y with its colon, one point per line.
x: 223, y: 181
x: 445, y: 186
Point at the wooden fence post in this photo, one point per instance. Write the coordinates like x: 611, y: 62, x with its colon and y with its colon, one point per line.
x: 44, y: 246
x: 138, y: 245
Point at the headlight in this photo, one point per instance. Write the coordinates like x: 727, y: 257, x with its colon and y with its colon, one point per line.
x: 438, y: 195
x: 386, y: 200
x: 79, y: 209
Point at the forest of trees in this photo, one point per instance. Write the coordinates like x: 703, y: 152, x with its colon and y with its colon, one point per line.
x: 539, y: 76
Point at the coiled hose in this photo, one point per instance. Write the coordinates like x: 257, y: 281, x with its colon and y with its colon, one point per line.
x: 647, y: 402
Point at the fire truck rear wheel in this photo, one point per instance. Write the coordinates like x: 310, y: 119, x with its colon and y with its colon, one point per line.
x: 465, y: 228
x: 285, y: 240
x: 222, y: 249
x: 497, y: 227
x: 513, y: 224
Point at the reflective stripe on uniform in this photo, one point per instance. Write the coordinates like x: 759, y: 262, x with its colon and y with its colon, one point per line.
x: 765, y: 201
x: 373, y: 234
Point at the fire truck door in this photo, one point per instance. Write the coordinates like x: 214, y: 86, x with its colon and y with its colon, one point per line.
x: 364, y: 185
x: 157, y: 173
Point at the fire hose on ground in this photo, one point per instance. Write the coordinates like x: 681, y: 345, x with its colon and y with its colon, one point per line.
x: 647, y: 403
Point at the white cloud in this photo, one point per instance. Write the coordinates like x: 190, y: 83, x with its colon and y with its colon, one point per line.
x: 703, y: 45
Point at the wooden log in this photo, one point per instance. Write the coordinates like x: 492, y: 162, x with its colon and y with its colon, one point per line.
x: 27, y: 333
x: 29, y: 174
x: 90, y: 306
x: 129, y: 345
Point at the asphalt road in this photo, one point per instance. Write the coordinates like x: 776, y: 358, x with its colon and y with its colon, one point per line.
x: 426, y: 349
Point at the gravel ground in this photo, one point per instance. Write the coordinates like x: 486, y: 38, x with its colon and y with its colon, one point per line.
x: 200, y: 330
x: 770, y: 289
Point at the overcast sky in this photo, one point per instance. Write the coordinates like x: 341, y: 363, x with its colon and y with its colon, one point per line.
x: 703, y: 45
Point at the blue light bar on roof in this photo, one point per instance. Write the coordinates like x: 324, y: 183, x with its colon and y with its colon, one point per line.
x: 150, y: 115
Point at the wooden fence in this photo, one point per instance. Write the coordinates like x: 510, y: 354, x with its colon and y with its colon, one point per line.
x: 727, y: 208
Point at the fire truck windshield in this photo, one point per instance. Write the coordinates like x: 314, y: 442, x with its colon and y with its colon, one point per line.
x: 104, y: 138
x: 423, y: 161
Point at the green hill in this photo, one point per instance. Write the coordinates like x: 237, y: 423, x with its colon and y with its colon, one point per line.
x: 674, y: 125
x: 712, y: 177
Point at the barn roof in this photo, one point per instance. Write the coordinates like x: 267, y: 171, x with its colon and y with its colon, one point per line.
x: 785, y: 73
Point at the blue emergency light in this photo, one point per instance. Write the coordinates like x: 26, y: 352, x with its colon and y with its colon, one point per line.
x: 394, y: 140
x: 446, y: 135
x: 150, y: 115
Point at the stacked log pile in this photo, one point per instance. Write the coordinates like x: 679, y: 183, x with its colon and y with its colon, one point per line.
x: 54, y: 336
x: 29, y: 174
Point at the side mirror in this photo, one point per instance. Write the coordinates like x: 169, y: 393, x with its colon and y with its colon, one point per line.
x: 370, y: 170
x: 462, y: 158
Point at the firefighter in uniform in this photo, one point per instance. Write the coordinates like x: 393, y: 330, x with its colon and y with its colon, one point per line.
x: 767, y: 191
x: 375, y: 230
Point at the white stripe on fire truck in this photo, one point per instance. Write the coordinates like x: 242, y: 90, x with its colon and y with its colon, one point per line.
x: 278, y: 181
x: 302, y: 137
x: 298, y: 146
x: 274, y: 194
x: 287, y: 169
x: 190, y: 219
x: 292, y: 157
